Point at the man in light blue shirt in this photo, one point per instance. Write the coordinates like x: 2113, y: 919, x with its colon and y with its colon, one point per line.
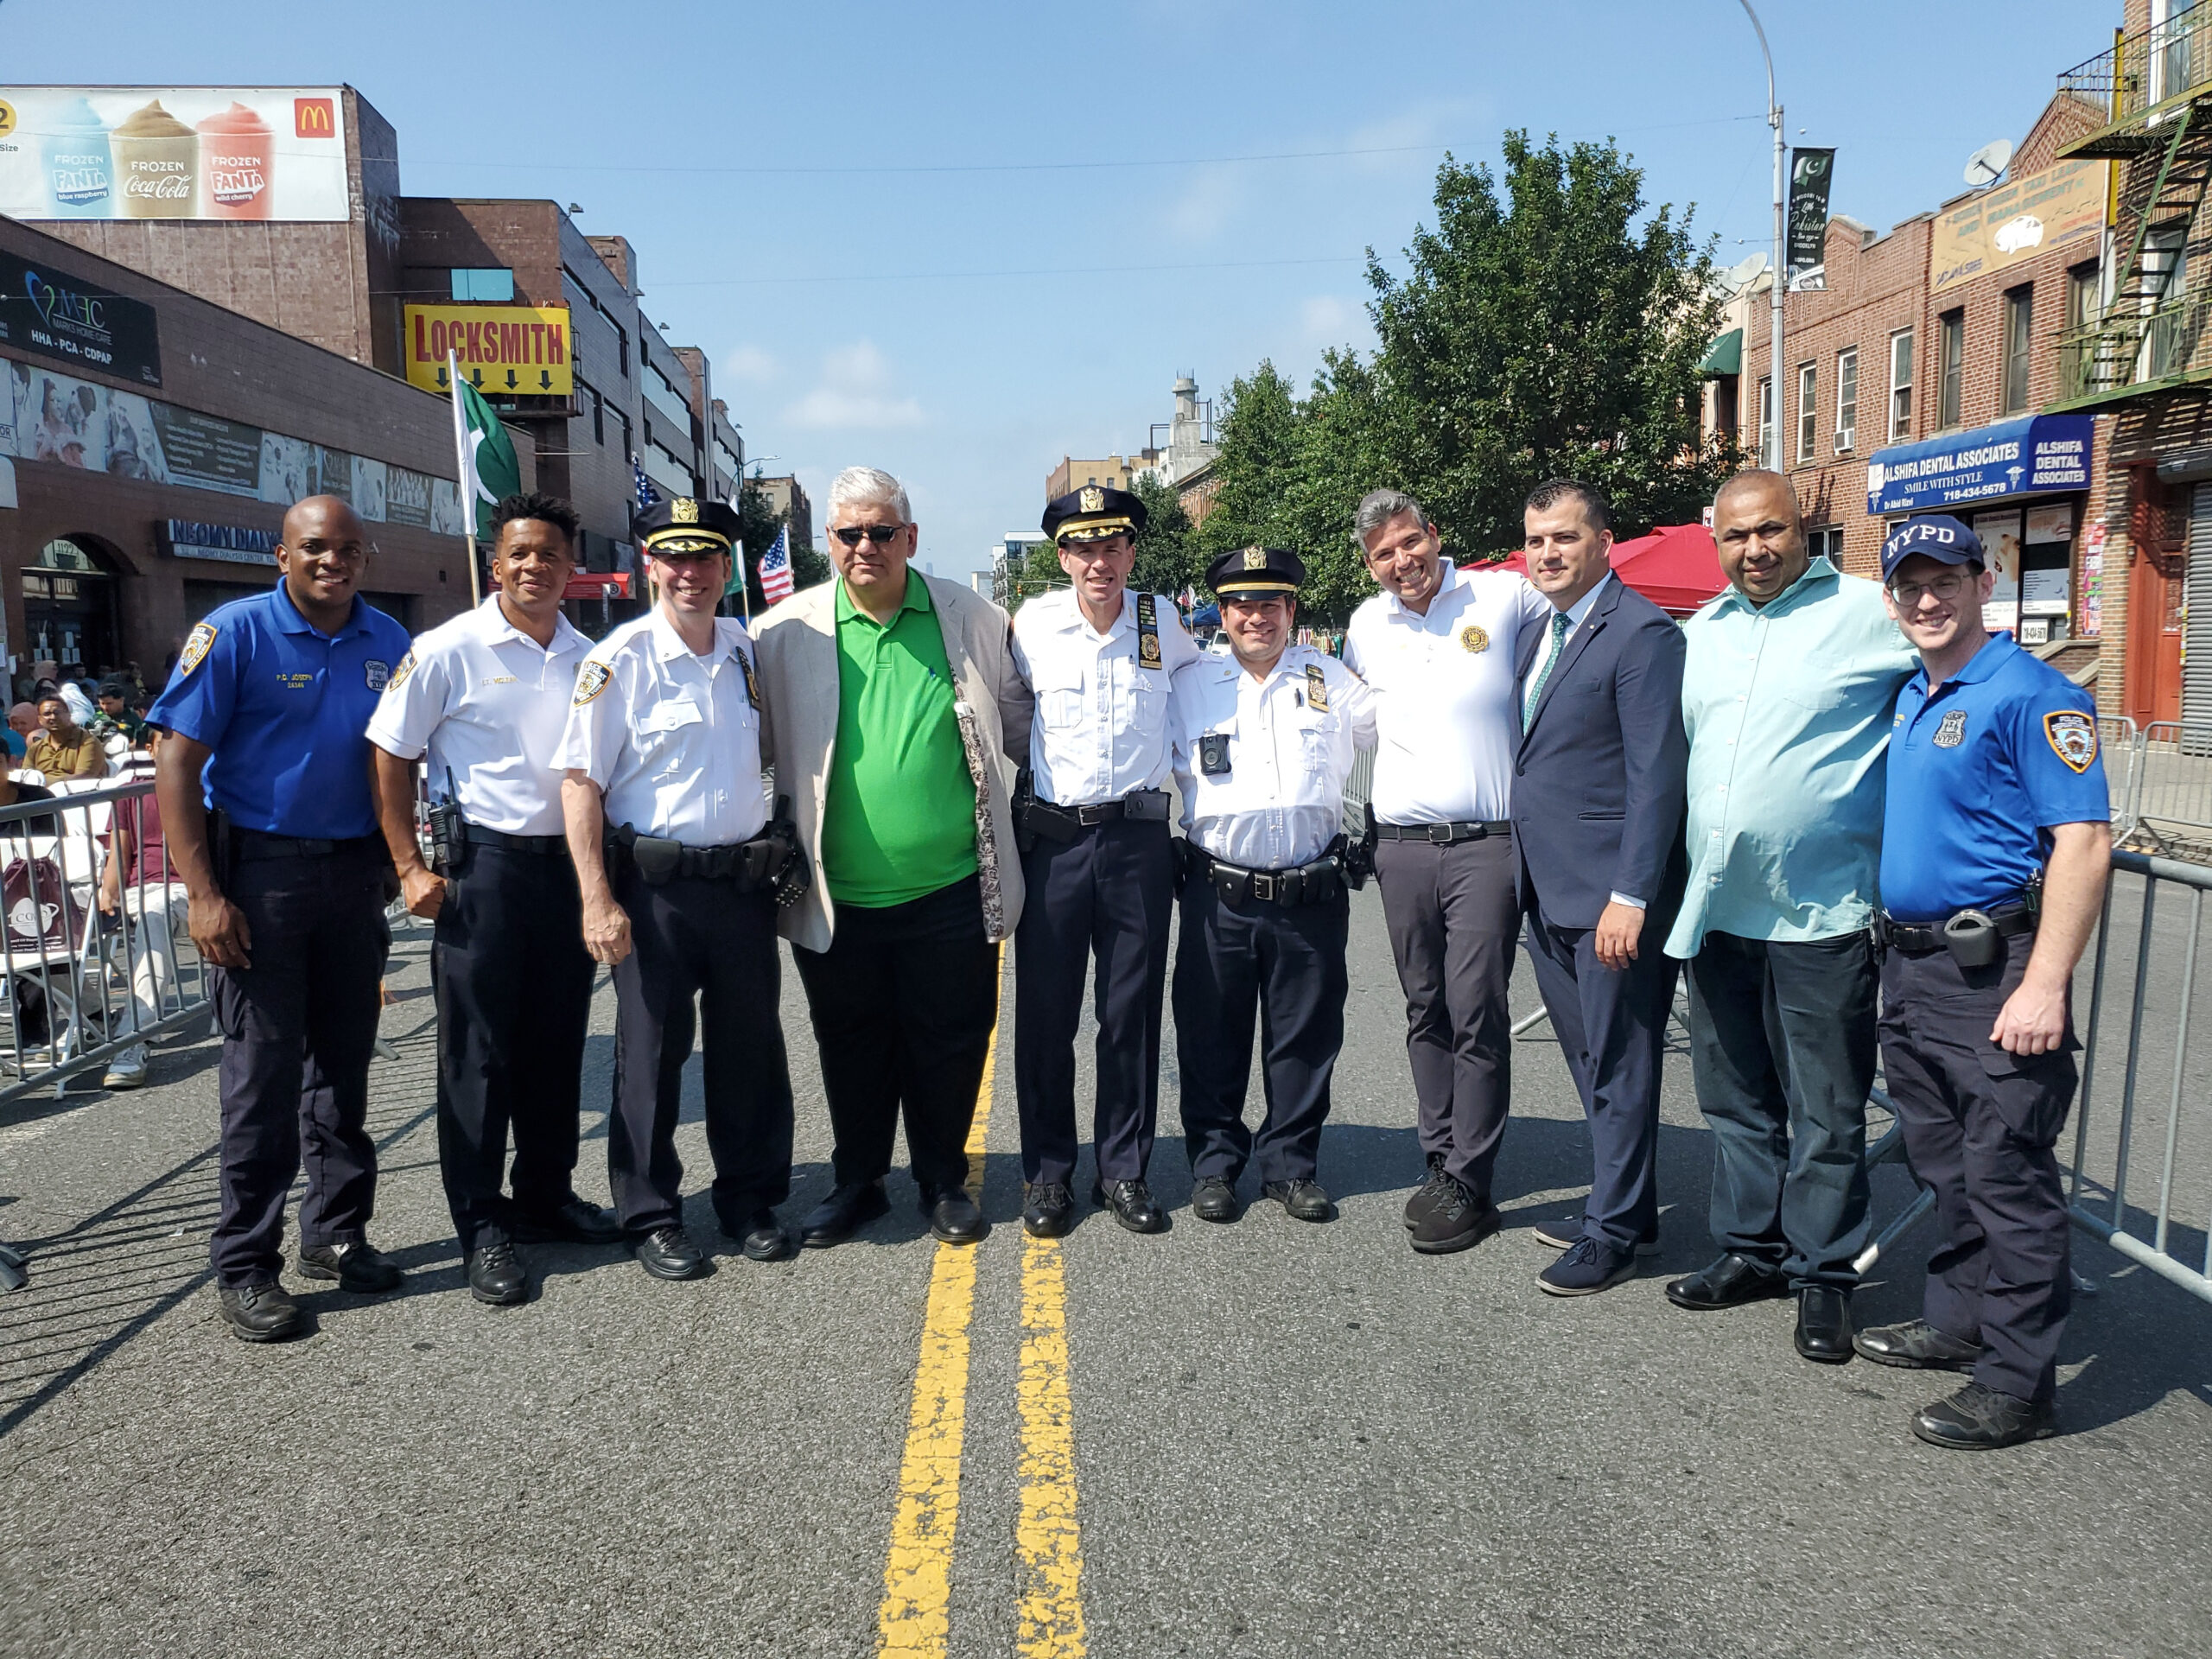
x: 1787, y: 695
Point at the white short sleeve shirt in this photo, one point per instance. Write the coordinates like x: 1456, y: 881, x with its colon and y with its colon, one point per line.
x: 1101, y: 730
x: 483, y: 706
x: 673, y: 738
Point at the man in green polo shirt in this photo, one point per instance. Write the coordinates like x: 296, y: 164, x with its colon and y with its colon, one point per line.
x: 892, y: 698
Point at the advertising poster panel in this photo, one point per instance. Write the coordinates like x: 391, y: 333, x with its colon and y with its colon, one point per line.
x: 173, y: 152
x: 2017, y: 220
x: 46, y: 311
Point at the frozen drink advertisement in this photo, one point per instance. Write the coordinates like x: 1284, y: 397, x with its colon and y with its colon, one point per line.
x: 203, y: 153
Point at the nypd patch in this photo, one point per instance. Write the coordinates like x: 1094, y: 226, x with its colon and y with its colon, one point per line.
x: 1952, y: 731
x: 2073, y: 737
x: 196, y: 648
x: 590, y: 681
x: 399, y: 675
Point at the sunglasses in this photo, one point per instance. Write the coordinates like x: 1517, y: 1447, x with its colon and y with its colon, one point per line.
x: 850, y: 534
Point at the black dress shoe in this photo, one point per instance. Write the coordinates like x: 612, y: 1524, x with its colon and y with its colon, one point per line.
x: 495, y: 1274
x: 954, y: 1218
x: 1824, y: 1324
x: 1916, y: 1345
x: 260, y: 1312
x: 1214, y: 1199
x: 843, y: 1213
x: 359, y: 1266
x: 1457, y: 1221
x: 1048, y: 1210
x: 572, y: 1221
x: 669, y: 1253
x: 1132, y: 1206
x: 1729, y: 1282
x: 1431, y: 1192
x: 1980, y: 1419
x: 761, y: 1236
x: 1302, y: 1200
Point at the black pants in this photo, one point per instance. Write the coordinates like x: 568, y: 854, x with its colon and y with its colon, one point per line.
x: 1782, y: 1044
x: 1108, y: 893
x: 1612, y: 1032
x: 299, y: 1025
x: 1287, y: 967
x: 1979, y: 1128
x: 513, y: 986
x: 692, y: 938
x: 904, y: 1002
x: 1455, y: 923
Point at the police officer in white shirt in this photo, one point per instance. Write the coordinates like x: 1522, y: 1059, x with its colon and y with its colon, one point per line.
x: 668, y: 825
x: 1097, y: 860
x: 481, y: 702
x: 1437, y: 648
x: 1264, y: 742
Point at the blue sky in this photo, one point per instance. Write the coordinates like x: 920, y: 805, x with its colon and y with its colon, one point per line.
x: 958, y: 241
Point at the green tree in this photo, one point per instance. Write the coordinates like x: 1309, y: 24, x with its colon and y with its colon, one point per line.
x: 758, y: 519
x: 1167, y: 547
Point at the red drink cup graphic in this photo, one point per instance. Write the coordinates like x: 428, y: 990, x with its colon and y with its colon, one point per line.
x: 156, y: 164
x: 237, y: 165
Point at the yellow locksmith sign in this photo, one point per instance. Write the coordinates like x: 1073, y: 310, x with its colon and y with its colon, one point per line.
x: 505, y: 351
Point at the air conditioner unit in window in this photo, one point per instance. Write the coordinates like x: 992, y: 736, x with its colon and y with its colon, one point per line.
x: 1846, y: 440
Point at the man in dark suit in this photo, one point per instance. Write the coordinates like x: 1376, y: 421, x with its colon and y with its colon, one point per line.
x: 1598, y: 805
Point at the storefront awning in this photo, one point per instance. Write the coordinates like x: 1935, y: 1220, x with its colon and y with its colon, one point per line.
x: 2033, y: 454
x: 1724, y: 356
x: 597, y: 584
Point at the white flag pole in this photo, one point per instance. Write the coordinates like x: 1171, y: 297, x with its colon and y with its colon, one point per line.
x: 744, y: 588
x: 468, y: 485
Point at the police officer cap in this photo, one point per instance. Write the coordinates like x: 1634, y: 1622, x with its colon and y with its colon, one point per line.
x: 1938, y: 537
x: 683, y: 525
x: 1256, y: 573
x: 1093, y: 513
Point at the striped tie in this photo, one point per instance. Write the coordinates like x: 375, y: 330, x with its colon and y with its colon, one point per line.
x: 1561, y: 623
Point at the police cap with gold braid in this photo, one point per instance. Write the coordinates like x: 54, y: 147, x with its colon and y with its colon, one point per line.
x: 1093, y: 513
x: 1256, y: 573
x: 683, y: 525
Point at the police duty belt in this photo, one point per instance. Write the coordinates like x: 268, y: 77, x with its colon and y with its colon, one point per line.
x: 1303, y: 884
x: 751, y: 864
x: 1975, y: 939
x: 1067, y: 823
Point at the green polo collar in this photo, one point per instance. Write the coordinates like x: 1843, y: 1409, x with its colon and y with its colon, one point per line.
x: 917, y: 599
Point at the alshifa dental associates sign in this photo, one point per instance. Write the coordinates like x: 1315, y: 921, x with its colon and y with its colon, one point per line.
x: 2032, y: 455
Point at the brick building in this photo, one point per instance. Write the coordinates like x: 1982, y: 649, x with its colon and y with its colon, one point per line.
x: 788, y: 496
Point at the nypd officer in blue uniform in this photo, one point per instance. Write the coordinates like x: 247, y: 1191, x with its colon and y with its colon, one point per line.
x: 265, y: 796
x: 1097, y: 861
x: 1995, y: 845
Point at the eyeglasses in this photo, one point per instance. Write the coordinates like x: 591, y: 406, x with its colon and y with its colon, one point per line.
x: 1946, y: 587
x: 850, y: 534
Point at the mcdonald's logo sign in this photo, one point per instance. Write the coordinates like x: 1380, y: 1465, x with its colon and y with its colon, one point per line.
x: 313, y: 117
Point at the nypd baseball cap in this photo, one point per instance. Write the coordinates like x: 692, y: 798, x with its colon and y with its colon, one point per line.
x: 1938, y: 537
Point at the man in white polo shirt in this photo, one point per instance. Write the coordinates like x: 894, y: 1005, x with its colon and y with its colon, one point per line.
x: 1437, y: 647
x: 481, y: 703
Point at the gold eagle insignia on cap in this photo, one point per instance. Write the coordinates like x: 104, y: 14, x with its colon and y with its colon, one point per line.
x: 1256, y: 558
x: 1093, y: 499
x: 683, y: 509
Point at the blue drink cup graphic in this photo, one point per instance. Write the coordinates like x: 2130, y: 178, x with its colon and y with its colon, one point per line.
x: 79, y: 168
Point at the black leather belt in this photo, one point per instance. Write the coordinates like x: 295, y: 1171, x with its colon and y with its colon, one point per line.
x: 1304, y: 883
x: 1443, y: 835
x: 1063, y: 824
x: 1922, y: 936
x: 250, y: 846
x: 542, y: 844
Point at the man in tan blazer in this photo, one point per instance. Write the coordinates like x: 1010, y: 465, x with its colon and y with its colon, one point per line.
x: 892, y: 697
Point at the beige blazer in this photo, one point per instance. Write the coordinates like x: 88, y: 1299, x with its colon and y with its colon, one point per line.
x: 797, y: 651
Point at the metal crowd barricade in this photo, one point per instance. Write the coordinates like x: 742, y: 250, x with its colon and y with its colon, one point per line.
x: 2121, y: 745
x: 2171, y: 787
x: 2159, y: 1004
x: 83, y: 985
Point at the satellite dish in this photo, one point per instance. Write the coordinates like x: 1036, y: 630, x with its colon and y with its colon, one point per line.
x: 1740, y: 274
x: 1986, y: 165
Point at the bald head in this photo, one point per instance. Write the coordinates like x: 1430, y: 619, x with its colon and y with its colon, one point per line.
x: 323, y: 518
x: 322, y: 554
x: 1760, y: 531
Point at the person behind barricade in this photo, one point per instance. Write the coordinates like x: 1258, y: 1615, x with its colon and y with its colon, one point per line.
x: 1097, y: 860
x: 1437, y: 647
x: 62, y: 749
x: 1791, y: 677
x: 679, y: 861
x: 894, y: 695
x: 1264, y: 740
x: 264, y: 784
x: 139, y: 889
x: 23, y: 726
x: 480, y: 704
x: 116, y: 715
x: 1996, y: 840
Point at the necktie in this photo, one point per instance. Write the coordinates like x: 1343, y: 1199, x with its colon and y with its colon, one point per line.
x: 1561, y: 623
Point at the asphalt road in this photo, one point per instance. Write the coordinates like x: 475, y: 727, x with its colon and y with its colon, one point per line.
x: 1287, y: 1440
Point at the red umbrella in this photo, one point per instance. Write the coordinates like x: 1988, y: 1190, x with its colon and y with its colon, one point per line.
x: 1676, y: 567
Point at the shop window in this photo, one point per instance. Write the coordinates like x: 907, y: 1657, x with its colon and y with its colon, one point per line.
x: 1847, y: 400
x: 1901, y: 384
x: 1950, y: 366
x: 492, y: 285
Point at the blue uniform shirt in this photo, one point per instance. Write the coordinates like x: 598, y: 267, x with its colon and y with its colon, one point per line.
x: 285, y: 709
x: 1977, y: 775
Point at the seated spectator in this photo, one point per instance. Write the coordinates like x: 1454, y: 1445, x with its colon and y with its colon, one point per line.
x: 63, y: 749
x: 22, y: 721
x: 116, y: 715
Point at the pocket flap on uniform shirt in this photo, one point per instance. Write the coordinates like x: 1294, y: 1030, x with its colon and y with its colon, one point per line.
x: 670, y: 714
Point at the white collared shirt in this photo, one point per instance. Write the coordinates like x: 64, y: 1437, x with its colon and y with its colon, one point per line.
x: 1447, y: 725
x: 479, y: 701
x: 1101, y: 730
x: 672, y: 737
x: 1282, y: 799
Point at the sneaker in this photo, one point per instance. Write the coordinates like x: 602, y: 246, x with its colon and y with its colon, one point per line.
x: 1980, y: 1419
x: 1430, y: 1193
x: 1916, y: 1345
x: 127, y: 1069
x: 1457, y: 1221
x: 1566, y: 1232
x: 1592, y: 1265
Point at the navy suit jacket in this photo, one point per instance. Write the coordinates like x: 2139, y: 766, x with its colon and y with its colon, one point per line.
x: 1599, y: 781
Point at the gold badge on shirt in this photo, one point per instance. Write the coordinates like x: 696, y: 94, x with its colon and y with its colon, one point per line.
x: 1148, y: 631
x: 1472, y: 638
x: 1317, y: 689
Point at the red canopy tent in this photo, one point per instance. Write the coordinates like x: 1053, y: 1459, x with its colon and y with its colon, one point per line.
x: 1676, y: 567
x: 597, y: 584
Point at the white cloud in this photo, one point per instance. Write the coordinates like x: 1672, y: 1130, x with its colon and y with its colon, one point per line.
x: 1331, y: 320
x: 1205, y: 203
x: 855, y: 393
x: 749, y: 365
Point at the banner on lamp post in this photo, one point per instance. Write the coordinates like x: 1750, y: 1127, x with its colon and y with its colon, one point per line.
x: 1810, y: 171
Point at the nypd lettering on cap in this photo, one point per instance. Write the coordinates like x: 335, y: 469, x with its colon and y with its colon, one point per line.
x: 1938, y: 537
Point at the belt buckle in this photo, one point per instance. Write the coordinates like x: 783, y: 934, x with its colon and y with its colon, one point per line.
x: 1263, y: 887
x: 1439, y: 834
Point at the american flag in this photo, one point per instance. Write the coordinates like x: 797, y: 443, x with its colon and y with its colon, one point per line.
x: 776, y: 570
x: 647, y: 494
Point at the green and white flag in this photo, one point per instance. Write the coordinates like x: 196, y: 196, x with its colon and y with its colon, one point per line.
x: 489, y: 472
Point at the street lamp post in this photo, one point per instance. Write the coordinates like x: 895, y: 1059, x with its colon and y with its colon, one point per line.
x: 1772, y: 458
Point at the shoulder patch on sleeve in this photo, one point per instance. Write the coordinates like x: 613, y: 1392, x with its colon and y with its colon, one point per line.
x: 591, y: 680
x: 2073, y: 737
x: 197, y: 647
x: 399, y: 675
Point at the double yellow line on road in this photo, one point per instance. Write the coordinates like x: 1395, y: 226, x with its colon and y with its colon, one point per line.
x: 915, y: 1619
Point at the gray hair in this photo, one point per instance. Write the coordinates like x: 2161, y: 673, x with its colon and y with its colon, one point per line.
x: 1378, y: 507
x: 861, y: 487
